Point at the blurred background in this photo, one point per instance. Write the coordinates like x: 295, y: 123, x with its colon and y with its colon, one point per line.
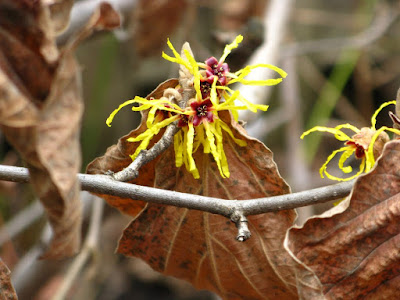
x: 342, y: 59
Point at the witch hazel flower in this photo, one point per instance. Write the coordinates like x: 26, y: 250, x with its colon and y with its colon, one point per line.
x: 199, y: 121
x: 366, y: 144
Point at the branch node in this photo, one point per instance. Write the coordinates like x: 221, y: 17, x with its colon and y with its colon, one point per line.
x: 242, y: 225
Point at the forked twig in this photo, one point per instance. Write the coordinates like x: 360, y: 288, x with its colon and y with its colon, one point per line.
x: 145, y: 156
x: 102, y: 184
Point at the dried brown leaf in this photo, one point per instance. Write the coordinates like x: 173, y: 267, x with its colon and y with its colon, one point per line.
x: 353, y: 252
x: 41, y: 115
x: 154, y: 21
x: 22, y: 40
x: 7, y: 291
x: 201, y: 247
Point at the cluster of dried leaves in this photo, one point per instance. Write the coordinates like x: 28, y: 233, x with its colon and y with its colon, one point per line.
x: 41, y: 108
x: 349, y: 252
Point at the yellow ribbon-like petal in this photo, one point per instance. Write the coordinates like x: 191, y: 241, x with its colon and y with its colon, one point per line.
x: 373, y: 118
x: 178, y: 59
x: 370, y: 152
x: 210, y: 137
x: 217, y: 131
x: 228, y: 48
x: 189, y: 151
x: 346, y: 154
x: 194, y: 69
x: 112, y: 115
x: 225, y: 127
x: 340, y: 135
x: 178, y: 148
x: 323, y: 169
x: 240, y: 75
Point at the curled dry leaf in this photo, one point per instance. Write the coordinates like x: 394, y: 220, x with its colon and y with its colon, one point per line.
x: 41, y: 115
x: 7, y: 291
x: 201, y: 247
x: 354, y: 253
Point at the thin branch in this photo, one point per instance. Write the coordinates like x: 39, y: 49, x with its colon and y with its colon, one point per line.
x: 234, y: 209
x: 104, y: 184
x: 145, y: 156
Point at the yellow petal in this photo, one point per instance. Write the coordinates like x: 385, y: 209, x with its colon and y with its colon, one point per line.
x: 220, y: 148
x: 250, y: 106
x: 247, y: 70
x: 373, y: 118
x: 230, y: 100
x: 112, y: 115
x: 370, y: 159
x: 150, y: 116
x: 235, y: 114
x: 210, y: 132
x: 323, y: 171
x: 178, y: 147
x: 225, y: 127
x: 201, y: 138
x: 153, y: 130
x: 228, y: 48
x: 194, y: 69
x: 143, y: 146
x: 178, y: 59
x: 346, y: 154
x: 189, y: 147
x: 340, y: 135
x: 213, y: 94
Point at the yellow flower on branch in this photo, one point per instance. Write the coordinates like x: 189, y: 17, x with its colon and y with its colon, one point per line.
x: 199, y: 121
x: 366, y: 144
x: 219, y: 70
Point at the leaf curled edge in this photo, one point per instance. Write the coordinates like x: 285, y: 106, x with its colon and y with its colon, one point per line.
x: 355, y: 252
x: 44, y: 118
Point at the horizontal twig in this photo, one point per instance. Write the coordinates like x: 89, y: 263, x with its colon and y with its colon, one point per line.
x: 105, y: 184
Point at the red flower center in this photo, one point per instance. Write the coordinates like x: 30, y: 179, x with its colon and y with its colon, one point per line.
x: 205, y: 88
x: 203, y: 110
x: 359, y: 152
x: 215, y: 68
x: 183, y: 121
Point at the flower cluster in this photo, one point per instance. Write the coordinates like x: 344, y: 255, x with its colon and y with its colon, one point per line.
x: 366, y: 144
x: 198, y: 120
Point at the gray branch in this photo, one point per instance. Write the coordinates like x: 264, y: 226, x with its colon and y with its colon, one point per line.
x: 236, y: 210
x: 107, y: 185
